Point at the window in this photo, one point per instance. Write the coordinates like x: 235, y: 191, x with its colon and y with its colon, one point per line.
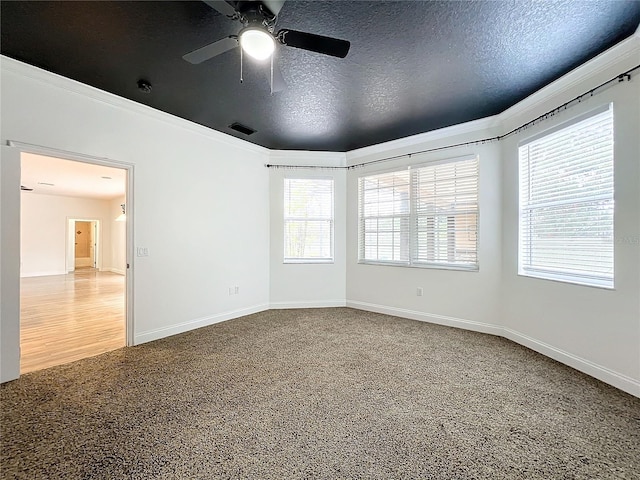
x: 424, y: 215
x: 566, y: 203
x: 308, y: 220
x: 384, y: 217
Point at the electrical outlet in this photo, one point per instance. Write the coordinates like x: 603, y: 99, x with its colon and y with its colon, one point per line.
x: 237, y: 290
x: 419, y: 291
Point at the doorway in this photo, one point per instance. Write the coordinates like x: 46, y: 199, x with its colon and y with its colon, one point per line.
x: 85, y: 244
x: 77, y: 305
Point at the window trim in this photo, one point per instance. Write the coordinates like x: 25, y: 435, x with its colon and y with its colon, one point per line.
x: 411, y: 263
x: 594, y: 281
x: 312, y: 261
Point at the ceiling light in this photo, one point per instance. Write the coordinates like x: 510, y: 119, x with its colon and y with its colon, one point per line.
x: 257, y: 42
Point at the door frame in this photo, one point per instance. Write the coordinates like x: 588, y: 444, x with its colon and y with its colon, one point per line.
x: 70, y: 257
x: 129, y: 223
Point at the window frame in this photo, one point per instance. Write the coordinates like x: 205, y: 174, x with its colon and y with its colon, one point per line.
x: 412, y: 261
x: 361, y: 245
x: 332, y: 221
x: 562, y: 274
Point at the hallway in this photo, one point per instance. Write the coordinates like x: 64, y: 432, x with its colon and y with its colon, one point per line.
x: 64, y: 318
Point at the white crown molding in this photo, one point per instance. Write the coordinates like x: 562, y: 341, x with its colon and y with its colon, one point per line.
x: 382, y: 150
x: 58, y: 81
x: 623, y: 55
x: 307, y: 158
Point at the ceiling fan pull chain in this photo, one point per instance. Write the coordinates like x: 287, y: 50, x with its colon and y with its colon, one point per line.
x: 241, y: 79
x: 272, y: 72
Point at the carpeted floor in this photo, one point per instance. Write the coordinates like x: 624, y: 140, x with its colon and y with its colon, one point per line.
x: 326, y: 393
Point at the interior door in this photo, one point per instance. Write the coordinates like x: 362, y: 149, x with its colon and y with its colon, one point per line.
x: 83, y: 243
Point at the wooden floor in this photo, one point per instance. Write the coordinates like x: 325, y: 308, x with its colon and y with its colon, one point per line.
x: 68, y: 317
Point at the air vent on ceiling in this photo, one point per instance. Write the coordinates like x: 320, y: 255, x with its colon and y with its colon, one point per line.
x: 238, y: 127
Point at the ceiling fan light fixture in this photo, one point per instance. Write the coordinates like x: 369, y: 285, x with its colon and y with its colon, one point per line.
x: 257, y: 43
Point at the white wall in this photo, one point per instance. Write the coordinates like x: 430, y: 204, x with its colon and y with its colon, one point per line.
x: 117, y: 255
x: 202, y: 208
x: 44, y: 231
x: 201, y: 197
x: 593, y: 329
x: 462, y: 298
x: 307, y: 285
x: 9, y: 264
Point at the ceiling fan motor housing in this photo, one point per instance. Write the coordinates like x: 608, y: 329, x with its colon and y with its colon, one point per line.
x: 259, y: 19
x: 255, y: 14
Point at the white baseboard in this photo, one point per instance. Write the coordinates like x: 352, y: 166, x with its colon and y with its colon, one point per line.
x: 608, y: 376
x: 308, y: 304
x: 116, y: 270
x: 428, y: 317
x: 159, y: 333
x: 618, y: 380
x: 43, y: 274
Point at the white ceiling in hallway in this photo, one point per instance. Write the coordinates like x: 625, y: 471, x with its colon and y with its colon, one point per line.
x: 55, y: 176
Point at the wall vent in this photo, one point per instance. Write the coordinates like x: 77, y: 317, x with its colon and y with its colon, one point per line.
x: 238, y: 127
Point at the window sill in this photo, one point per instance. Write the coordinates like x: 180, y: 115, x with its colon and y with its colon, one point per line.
x: 308, y: 262
x: 566, y: 279
x: 428, y: 266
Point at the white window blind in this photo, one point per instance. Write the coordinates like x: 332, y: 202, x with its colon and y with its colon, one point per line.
x: 445, y: 205
x: 308, y: 220
x: 566, y: 203
x: 421, y: 216
x: 384, y: 217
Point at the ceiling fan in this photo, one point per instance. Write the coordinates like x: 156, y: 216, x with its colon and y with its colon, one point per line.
x: 257, y: 38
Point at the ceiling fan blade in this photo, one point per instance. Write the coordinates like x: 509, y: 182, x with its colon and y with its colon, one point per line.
x: 314, y: 43
x: 212, y: 50
x: 274, y: 5
x: 221, y: 6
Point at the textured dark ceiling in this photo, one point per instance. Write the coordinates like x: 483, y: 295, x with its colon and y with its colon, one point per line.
x: 414, y: 66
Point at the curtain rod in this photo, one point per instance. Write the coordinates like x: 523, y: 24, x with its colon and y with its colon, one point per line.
x: 623, y: 77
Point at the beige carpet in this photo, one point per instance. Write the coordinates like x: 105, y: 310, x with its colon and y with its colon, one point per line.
x: 327, y: 393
